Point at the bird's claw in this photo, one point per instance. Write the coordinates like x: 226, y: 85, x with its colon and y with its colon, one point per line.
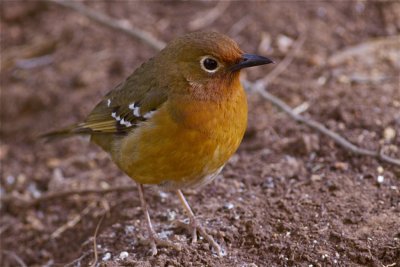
x: 193, y: 226
x: 155, y: 241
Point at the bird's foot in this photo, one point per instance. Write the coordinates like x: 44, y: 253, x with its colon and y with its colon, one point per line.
x: 193, y: 227
x: 154, y: 240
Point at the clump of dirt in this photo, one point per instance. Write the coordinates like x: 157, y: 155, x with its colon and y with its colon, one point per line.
x: 289, y: 197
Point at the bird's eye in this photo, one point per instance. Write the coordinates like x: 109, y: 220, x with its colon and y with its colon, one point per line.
x: 209, y: 64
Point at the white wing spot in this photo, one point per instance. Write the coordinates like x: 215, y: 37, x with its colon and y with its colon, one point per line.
x: 126, y: 123
x: 108, y: 102
x: 149, y: 114
x: 114, y: 115
x: 136, y: 111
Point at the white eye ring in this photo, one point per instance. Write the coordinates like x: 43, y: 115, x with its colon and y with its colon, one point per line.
x: 211, y: 65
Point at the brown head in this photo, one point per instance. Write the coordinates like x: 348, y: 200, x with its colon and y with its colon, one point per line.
x: 204, y: 61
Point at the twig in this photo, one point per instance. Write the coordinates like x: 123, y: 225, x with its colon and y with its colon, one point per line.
x: 94, y: 241
x: 78, y: 260
x: 282, y: 66
x: 15, y: 257
x: 363, y: 49
x: 71, y: 223
x: 123, y: 26
x: 341, y: 141
x: 209, y: 17
x: 51, y: 196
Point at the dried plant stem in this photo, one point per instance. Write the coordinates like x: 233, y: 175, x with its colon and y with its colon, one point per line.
x: 124, y: 26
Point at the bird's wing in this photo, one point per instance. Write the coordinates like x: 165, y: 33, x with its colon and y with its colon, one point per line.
x: 131, y: 102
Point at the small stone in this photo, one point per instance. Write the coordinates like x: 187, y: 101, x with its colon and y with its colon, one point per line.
x: 229, y: 206
x: 163, y: 194
x: 10, y: 179
x: 106, y: 256
x: 171, y: 215
x: 344, y: 79
x: 284, y: 43
x: 165, y: 234
x: 380, y: 179
x: 389, y: 134
x: 316, y: 177
x: 343, y: 166
x: 268, y: 183
x: 129, y: 229
x: 265, y: 45
x: 379, y: 169
x: 123, y: 255
x: 322, y: 80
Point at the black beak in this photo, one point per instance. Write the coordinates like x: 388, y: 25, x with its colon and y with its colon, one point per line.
x: 249, y: 60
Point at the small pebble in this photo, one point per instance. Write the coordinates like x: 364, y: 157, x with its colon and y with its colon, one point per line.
x: 229, y: 206
x: 129, y: 229
x: 316, y: 177
x: 163, y: 194
x: 171, y: 215
x: 34, y: 190
x: 379, y: 169
x: 106, y: 256
x: 165, y: 234
x: 10, y: 179
x: 343, y: 166
x: 380, y: 179
x: 268, y: 183
x: 284, y: 43
x: 123, y: 255
x: 389, y: 134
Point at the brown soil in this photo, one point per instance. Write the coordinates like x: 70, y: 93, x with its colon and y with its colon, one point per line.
x: 289, y: 197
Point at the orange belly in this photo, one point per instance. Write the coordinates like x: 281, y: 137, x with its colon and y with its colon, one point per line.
x: 185, y: 149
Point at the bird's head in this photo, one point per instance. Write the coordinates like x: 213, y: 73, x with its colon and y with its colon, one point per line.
x: 206, y: 61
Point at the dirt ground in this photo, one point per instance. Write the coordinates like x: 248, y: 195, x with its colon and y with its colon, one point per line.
x: 289, y: 196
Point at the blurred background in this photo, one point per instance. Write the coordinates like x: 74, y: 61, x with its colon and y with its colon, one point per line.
x: 288, y: 197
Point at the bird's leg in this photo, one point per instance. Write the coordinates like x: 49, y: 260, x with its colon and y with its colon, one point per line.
x: 154, y: 239
x: 195, y: 226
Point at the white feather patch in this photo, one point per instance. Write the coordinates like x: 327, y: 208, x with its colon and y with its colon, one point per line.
x: 149, y: 114
x: 136, y: 110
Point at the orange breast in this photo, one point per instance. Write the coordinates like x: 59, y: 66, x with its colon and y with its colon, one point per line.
x: 185, y: 145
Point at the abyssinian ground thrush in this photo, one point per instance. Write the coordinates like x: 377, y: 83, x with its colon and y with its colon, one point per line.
x: 176, y: 120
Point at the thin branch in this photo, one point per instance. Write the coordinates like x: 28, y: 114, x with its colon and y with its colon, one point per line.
x: 15, y: 257
x: 362, y: 49
x: 78, y: 260
x: 123, y: 26
x: 64, y: 194
x: 282, y: 66
x: 96, y: 257
x: 209, y: 17
x: 71, y: 223
x: 341, y: 141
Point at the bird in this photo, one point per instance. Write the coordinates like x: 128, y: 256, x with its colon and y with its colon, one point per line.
x: 175, y: 121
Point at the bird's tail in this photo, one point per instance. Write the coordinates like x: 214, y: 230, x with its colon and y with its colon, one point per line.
x: 74, y: 129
